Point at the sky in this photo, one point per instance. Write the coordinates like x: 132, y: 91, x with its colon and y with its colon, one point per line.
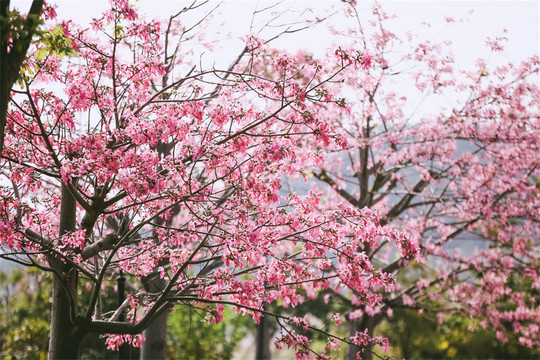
x: 520, y: 18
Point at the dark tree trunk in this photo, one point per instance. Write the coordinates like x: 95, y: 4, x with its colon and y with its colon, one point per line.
x: 11, y: 62
x: 65, y: 337
x: 365, y: 322
x: 263, y: 338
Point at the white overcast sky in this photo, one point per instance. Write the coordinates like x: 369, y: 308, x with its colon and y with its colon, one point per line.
x: 520, y: 18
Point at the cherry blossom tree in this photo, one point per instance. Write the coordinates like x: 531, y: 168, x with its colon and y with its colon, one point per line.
x: 130, y: 156
x: 460, y: 179
x: 125, y: 155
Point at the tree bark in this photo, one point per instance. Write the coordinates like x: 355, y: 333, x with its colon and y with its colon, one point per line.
x: 155, y: 343
x: 263, y: 338
x: 11, y: 62
x: 365, y: 322
x: 154, y: 346
x: 65, y: 336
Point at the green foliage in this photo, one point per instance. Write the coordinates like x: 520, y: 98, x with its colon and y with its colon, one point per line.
x: 25, y: 317
x: 16, y: 33
x: 50, y: 43
x: 415, y: 336
x: 54, y: 43
x: 319, y: 312
x: 190, y: 336
x: 420, y: 336
x: 119, y: 31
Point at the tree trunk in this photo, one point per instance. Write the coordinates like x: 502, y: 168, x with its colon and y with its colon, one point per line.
x: 365, y: 322
x: 65, y: 337
x: 11, y: 62
x: 263, y: 338
x: 155, y: 345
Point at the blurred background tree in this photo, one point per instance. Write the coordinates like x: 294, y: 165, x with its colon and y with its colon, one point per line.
x: 416, y: 336
x: 24, y: 321
x: 25, y: 311
x: 190, y: 336
x: 25, y: 315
